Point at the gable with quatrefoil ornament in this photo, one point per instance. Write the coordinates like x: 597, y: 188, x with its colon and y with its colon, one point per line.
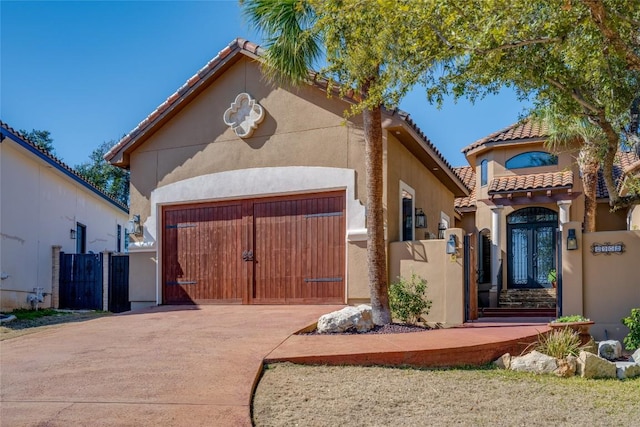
x: 244, y: 115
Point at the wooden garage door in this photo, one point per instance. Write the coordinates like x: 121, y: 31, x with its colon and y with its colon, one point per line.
x: 202, y: 254
x: 299, y: 250
x: 284, y: 250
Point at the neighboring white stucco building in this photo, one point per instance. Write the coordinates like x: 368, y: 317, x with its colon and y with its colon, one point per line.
x: 44, y: 203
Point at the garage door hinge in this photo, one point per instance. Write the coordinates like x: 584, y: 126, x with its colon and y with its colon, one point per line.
x: 324, y: 214
x: 181, y: 226
x: 192, y: 282
x: 325, y: 279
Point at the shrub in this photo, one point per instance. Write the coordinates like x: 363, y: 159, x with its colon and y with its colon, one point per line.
x: 559, y: 343
x: 632, y: 340
x: 408, y: 299
x: 571, y: 319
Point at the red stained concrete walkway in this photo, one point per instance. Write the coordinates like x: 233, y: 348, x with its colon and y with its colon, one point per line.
x: 197, y: 366
x: 473, y: 344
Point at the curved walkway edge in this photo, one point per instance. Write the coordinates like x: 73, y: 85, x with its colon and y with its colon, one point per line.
x: 473, y: 344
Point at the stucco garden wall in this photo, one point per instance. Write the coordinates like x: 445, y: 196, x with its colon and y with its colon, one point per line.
x: 444, y: 275
x: 602, y: 287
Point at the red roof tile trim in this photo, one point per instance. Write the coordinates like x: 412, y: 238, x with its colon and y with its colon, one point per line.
x: 468, y: 176
x: 540, y: 181
x: 517, y: 131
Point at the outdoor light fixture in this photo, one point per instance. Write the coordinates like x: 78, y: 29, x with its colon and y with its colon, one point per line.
x: 134, y: 227
x: 421, y: 219
x: 572, y: 241
x: 441, y: 230
x: 452, y: 244
x: 72, y: 234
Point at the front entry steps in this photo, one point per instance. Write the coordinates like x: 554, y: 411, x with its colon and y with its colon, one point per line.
x: 539, y: 302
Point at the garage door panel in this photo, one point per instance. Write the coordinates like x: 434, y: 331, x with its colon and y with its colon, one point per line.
x: 297, y: 258
x: 201, y: 254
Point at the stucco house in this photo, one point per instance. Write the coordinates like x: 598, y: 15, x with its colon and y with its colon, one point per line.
x: 249, y: 192
x: 45, y: 204
x: 521, y: 194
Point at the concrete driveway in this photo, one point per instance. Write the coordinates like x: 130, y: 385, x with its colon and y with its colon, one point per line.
x: 169, y: 366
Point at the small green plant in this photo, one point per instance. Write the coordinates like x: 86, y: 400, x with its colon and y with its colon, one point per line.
x: 632, y: 340
x: 28, y: 314
x: 571, y: 319
x: 552, y: 276
x: 559, y: 343
x: 408, y: 299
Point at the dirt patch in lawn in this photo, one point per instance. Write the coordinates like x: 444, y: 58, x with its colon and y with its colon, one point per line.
x: 289, y: 395
x: 20, y: 327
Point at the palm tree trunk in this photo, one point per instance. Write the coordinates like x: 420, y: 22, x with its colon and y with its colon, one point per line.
x: 376, y: 253
x: 589, y: 182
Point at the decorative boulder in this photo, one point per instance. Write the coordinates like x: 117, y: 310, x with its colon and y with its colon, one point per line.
x: 592, y: 366
x: 357, y: 319
x: 503, y: 362
x: 610, y: 349
x: 566, y: 367
x: 636, y: 356
x: 535, y: 362
x: 627, y: 370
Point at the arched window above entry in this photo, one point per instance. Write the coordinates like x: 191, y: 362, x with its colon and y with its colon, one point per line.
x: 532, y: 215
x: 532, y: 159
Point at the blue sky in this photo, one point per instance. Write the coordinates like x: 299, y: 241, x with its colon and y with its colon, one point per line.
x: 90, y: 71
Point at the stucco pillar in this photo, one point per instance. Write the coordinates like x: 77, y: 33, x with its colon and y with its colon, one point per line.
x: 55, y: 276
x: 496, y: 253
x: 572, y: 272
x: 565, y: 212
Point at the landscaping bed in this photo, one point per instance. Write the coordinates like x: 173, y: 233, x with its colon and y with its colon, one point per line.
x: 30, y: 321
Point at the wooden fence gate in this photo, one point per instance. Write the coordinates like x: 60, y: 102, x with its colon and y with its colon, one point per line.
x: 81, y: 281
x: 119, y: 283
x: 84, y: 287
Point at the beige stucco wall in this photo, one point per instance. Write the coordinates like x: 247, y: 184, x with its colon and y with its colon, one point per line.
x: 431, y: 195
x: 142, y: 278
x: 634, y: 218
x: 603, y: 288
x: 39, y: 207
x: 606, y: 220
x: 444, y: 275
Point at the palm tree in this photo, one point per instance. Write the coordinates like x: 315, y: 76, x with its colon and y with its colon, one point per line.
x: 293, y: 43
x: 566, y: 130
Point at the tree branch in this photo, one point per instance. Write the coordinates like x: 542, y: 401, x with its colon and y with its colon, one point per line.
x: 575, y: 95
x: 599, y: 18
x: 542, y: 40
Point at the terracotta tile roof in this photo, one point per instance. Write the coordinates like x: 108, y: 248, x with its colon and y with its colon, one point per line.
x: 539, y: 181
x: 468, y: 176
x: 626, y: 163
x: 525, y: 130
x: 9, y: 132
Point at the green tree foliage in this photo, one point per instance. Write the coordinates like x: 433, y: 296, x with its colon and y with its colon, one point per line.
x: 42, y: 138
x: 578, y: 56
x: 370, y: 60
x: 109, y: 178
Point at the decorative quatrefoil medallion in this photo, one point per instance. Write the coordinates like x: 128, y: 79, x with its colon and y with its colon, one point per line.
x: 244, y: 115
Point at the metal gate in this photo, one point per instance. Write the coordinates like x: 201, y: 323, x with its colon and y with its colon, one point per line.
x: 81, y: 281
x: 470, y: 278
x: 119, y: 283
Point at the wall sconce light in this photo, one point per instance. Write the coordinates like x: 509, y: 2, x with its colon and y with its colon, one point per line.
x: 72, y: 234
x: 572, y: 241
x: 441, y: 230
x: 421, y: 219
x: 452, y: 244
x: 134, y: 227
